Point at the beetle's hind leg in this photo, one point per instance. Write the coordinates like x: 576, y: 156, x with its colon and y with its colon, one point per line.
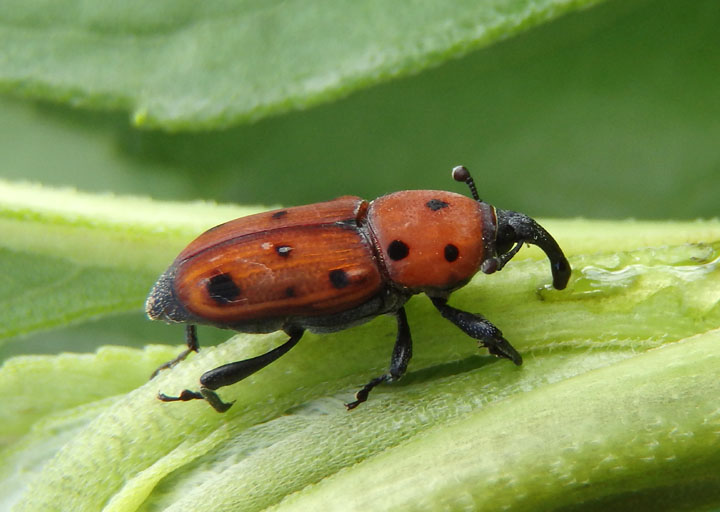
x: 402, y: 352
x: 478, y: 327
x: 230, y: 374
x: 192, y: 346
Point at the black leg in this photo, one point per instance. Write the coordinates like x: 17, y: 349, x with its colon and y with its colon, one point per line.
x: 479, y: 328
x: 230, y: 374
x: 402, y: 352
x: 192, y: 346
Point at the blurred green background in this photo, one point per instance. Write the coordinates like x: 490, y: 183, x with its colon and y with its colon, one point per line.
x: 611, y: 112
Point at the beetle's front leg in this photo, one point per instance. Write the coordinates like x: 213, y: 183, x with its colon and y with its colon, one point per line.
x: 478, y: 327
x: 402, y: 352
x: 192, y: 346
x: 230, y: 374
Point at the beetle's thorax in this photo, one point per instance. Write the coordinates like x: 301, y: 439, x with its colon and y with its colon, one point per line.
x: 431, y: 241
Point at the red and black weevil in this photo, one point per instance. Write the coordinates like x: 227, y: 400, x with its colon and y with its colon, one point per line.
x: 328, y: 266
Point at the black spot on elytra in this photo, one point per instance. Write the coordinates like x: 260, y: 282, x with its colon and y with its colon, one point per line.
x: 398, y: 250
x: 451, y: 252
x: 436, y: 204
x: 289, y: 291
x: 279, y: 215
x: 222, y: 289
x: 283, y: 250
x: 339, y: 278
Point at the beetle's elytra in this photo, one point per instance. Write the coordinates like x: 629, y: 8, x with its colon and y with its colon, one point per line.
x: 328, y: 266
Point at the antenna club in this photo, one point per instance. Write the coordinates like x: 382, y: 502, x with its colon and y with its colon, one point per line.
x: 460, y: 173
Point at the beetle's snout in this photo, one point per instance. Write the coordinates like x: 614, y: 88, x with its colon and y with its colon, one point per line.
x: 161, y: 304
x: 514, y: 227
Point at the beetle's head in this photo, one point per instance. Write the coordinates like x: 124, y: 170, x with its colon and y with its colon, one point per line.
x: 515, y: 229
x: 162, y: 304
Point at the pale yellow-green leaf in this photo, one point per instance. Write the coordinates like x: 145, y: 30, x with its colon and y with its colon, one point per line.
x: 75, y: 255
x: 619, y: 368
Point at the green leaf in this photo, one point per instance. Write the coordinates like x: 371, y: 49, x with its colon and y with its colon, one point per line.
x: 597, y: 114
x: 620, y: 369
x: 235, y: 61
x: 75, y: 256
x: 585, y: 441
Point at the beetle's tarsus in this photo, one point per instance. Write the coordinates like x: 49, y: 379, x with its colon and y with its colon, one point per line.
x: 501, y: 347
x: 204, y: 394
x: 402, y: 352
x: 181, y: 356
x: 185, y: 395
x: 192, y: 346
x: 362, y: 395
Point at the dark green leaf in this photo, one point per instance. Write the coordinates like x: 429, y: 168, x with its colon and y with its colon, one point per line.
x: 183, y: 64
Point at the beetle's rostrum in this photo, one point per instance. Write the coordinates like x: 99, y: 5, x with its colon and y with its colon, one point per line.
x: 328, y: 266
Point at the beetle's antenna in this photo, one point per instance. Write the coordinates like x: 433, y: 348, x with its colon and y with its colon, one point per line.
x: 460, y: 173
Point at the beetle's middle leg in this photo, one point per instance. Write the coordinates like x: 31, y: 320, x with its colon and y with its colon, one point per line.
x: 402, y: 352
x: 192, y: 346
x: 480, y: 328
x: 230, y: 374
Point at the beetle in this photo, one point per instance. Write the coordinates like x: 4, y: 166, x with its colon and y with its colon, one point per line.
x: 325, y: 267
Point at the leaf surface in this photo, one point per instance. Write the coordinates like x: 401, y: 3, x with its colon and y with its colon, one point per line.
x: 625, y: 356
x: 180, y: 64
